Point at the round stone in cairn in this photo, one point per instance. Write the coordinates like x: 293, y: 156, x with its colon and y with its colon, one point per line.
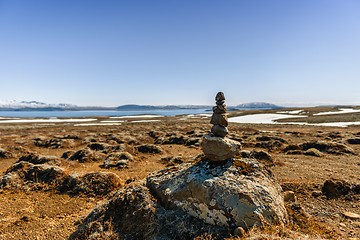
x: 220, y: 102
x: 219, y: 109
x: 220, y: 96
x: 219, y: 131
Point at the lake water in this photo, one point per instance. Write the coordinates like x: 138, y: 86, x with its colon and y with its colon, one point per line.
x: 71, y: 114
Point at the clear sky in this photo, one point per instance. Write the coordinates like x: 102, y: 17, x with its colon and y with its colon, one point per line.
x: 109, y: 53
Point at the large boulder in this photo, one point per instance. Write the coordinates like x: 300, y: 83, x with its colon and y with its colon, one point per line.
x: 236, y: 193
x: 219, y: 149
x: 188, y: 201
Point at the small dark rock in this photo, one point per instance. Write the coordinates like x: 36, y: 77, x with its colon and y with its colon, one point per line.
x: 353, y: 141
x: 289, y: 196
x: 313, y: 152
x: 261, y: 155
x: 48, y: 143
x: 149, y: 148
x: 94, y: 183
x: 37, y: 159
x: 328, y: 147
x: 67, y: 154
x: 4, y: 153
x: 292, y: 147
x: 294, y: 152
x: 171, y: 161
x: 84, y: 155
x: 239, y: 232
x: 97, y: 146
x: 316, y: 194
x: 335, y: 188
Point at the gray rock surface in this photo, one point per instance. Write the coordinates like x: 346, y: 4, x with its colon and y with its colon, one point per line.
x: 236, y: 193
x: 219, y: 149
x: 189, y: 201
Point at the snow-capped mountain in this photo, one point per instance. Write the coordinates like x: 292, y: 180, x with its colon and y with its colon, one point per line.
x: 13, y: 104
x: 257, y: 105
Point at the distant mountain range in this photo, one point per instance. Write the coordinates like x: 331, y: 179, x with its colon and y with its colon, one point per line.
x: 14, y: 105
x: 33, y: 105
x: 257, y: 105
x: 134, y: 107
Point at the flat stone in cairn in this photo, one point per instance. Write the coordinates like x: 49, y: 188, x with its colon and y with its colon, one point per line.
x: 219, y: 119
x: 219, y: 149
x: 215, y: 146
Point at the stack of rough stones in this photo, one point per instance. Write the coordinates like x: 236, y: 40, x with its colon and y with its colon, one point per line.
x: 214, y: 145
x: 219, y: 118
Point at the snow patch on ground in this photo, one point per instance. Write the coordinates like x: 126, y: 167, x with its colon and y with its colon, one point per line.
x: 291, y: 112
x: 202, y: 115
x: 50, y: 120
x: 97, y: 124
x: 140, y: 116
x: 266, y: 118
x: 341, y: 111
x: 270, y: 119
x: 144, y: 121
x: 107, y: 121
x: 334, y: 124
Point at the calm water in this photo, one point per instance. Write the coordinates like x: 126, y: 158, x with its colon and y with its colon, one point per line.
x: 71, y: 114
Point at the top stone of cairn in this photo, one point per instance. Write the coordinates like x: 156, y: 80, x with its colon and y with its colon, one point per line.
x: 220, y: 96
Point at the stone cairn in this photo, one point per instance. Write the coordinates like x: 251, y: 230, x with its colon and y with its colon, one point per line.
x: 219, y: 118
x: 215, y: 145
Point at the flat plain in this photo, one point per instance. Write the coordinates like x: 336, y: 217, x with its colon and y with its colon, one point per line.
x: 319, y: 164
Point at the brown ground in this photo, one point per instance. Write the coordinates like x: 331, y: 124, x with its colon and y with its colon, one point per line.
x: 47, y: 214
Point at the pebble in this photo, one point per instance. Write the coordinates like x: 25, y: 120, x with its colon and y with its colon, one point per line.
x: 289, y: 196
x: 316, y: 194
x: 357, y: 224
x: 351, y: 215
x: 239, y: 232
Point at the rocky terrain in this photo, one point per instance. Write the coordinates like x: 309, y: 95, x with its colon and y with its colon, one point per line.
x: 58, y: 180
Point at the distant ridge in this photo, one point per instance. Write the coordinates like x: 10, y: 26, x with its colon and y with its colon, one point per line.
x: 257, y: 105
x: 33, y: 105
x: 134, y: 107
x: 14, y: 105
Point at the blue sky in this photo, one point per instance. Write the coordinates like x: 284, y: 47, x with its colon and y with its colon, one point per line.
x: 180, y: 52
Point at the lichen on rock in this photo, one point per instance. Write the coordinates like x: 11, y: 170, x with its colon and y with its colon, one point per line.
x: 223, y: 195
